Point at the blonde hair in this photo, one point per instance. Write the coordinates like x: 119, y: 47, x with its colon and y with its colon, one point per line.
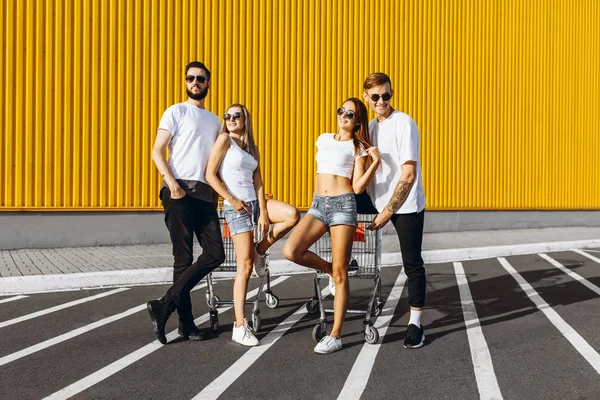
x: 248, y: 144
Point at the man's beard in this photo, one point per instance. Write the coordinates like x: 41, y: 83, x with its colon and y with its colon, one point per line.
x: 199, y: 95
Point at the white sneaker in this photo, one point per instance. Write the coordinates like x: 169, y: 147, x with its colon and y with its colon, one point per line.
x: 260, y: 264
x: 328, y: 344
x: 243, y: 335
x: 331, y: 285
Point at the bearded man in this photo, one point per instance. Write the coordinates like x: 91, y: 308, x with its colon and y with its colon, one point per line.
x: 189, y: 131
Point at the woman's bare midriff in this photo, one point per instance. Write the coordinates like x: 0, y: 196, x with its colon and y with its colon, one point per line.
x: 332, y: 185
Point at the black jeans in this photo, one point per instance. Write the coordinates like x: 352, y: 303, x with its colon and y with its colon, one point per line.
x: 185, y: 217
x: 409, y: 228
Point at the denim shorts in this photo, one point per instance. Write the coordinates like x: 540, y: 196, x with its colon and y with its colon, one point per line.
x: 244, y: 222
x: 334, y: 210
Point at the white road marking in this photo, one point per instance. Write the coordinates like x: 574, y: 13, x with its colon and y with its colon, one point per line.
x: 565, y: 329
x: 583, y: 253
x: 487, y: 384
x: 572, y: 274
x: 221, y: 383
x: 59, y: 307
x: 8, y: 300
x: 137, y: 355
x: 361, y: 370
x: 74, y: 333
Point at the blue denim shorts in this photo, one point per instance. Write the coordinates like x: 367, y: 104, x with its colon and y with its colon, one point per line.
x: 244, y: 222
x: 334, y: 210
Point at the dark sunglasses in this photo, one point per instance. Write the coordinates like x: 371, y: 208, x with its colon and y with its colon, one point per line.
x: 233, y: 117
x: 349, y: 114
x: 199, y: 78
x: 385, y: 97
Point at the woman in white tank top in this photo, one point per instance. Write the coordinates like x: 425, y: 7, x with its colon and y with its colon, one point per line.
x: 233, y: 171
x: 346, y: 162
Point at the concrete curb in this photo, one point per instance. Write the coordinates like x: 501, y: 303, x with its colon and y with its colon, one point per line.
x: 155, y: 276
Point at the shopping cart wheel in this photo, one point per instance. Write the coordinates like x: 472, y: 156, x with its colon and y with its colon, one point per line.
x: 272, y: 300
x: 371, y: 334
x: 312, y: 306
x: 214, y: 321
x: 378, y: 309
x: 256, y: 323
x: 212, y: 302
x: 319, y: 331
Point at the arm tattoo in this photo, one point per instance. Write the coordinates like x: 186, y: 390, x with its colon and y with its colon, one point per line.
x: 399, y: 196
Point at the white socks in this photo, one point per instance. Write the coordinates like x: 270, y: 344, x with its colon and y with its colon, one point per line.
x: 415, y: 318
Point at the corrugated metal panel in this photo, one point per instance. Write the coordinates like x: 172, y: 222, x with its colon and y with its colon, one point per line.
x: 506, y: 93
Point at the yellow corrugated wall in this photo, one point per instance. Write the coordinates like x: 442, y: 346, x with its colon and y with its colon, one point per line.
x: 506, y: 93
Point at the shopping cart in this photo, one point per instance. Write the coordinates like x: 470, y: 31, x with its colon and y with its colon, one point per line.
x: 230, y: 266
x: 365, y: 264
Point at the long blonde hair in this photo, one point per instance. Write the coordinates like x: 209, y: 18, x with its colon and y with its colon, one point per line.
x: 247, y: 137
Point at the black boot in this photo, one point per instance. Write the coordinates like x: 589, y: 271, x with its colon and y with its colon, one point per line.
x: 188, y: 330
x: 159, y: 318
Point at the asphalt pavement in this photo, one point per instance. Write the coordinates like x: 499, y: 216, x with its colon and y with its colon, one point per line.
x: 514, y: 327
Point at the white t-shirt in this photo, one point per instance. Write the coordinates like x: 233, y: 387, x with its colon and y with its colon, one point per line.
x: 193, y: 133
x: 237, y: 172
x: 336, y: 156
x: 397, y: 139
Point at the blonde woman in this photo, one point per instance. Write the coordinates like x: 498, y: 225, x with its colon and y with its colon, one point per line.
x: 342, y: 171
x: 233, y: 171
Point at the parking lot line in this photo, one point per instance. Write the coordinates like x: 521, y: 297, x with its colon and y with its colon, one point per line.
x: 221, y: 383
x: 60, y: 307
x: 483, y: 367
x: 74, y: 333
x: 9, y: 299
x: 572, y: 274
x: 358, y: 377
x: 583, y: 253
x: 69, y: 335
x: 580, y: 344
x: 124, y: 362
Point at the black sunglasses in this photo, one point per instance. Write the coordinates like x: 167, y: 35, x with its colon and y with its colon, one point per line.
x: 385, y: 97
x: 233, y: 117
x: 349, y: 114
x: 199, y: 78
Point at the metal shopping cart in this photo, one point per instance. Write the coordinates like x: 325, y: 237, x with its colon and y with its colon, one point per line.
x: 365, y: 264
x: 230, y: 266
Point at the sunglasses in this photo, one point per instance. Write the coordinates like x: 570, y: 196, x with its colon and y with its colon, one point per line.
x: 199, y: 78
x: 349, y: 113
x: 233, y: 117
x: 385, y: 97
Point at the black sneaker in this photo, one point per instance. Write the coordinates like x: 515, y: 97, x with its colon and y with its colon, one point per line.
x: 190, y: 332
x: 415, y: 337
x: 159, y: 320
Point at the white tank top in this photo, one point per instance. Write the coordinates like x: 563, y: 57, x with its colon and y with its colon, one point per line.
x: 336, y: 157
x: 236, y: 170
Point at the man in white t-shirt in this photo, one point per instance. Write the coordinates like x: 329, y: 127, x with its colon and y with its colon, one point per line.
x: 189, y: 131
x: 397, y: 191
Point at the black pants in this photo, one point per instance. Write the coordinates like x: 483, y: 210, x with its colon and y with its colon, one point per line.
x: 185, y: 217
x: 409, y: 228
